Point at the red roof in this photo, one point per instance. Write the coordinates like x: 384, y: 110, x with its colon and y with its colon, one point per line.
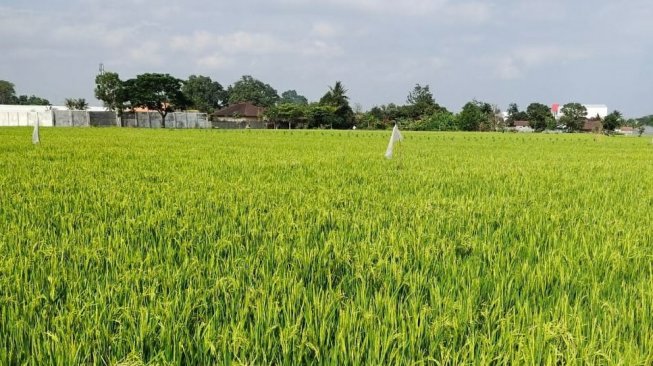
x: 245, y: 109
x: 522, y: 124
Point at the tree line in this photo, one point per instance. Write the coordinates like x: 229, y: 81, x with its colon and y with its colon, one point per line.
x: 8, y: 96
x: 421, y: 112
x: 164, y: 93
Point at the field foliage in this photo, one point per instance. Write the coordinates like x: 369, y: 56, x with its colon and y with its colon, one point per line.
x: 125, y: 246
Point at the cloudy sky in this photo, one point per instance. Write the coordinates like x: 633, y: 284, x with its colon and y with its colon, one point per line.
x: 499, y: 51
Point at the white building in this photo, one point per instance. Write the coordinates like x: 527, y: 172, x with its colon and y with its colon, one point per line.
x: 593, y: 110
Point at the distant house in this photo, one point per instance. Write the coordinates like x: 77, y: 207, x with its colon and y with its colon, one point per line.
x: 592, y: 125
x: 523, y: 126
x: 626, y: 130
x: 239, y: 115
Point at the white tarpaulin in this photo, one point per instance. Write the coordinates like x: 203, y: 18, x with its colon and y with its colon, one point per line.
x: 35, y: 133
x: 396, y: 136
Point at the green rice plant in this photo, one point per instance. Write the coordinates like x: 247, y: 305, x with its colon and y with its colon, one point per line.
x: 176, y: 247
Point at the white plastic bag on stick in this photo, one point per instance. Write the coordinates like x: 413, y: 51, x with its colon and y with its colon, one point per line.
x: 35, y: 133
x: 396, y: 136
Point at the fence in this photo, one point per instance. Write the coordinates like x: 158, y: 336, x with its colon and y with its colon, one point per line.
x: 67, y: 118
x: 173, y: 120
x: 84, y: 119
x: 102, y: 119
x: 25, y: 118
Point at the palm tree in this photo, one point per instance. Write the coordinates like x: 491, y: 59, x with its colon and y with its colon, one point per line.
x: 337, y: 97
x: 76, y: 104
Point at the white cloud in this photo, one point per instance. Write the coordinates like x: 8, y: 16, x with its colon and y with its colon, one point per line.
x: 146, y: 53
x: 471, y: 12
x: 437, y: 63
x: 538, y: 10
x: 256, y: 43
x: 537, y: 55
x: 448, y: 11
x: 20, y: 24
x: 215, y: 61
x: 232, y: 43
x: 406, y: 7
x: 320, y: 48
x: 461, y: 45
x: 38, y: 30
x: 325, y: 30
x: 506, y: 68
x: 516, y: 63
x: 197, y: 42
x: 93, y: 34
x: 222, y: 50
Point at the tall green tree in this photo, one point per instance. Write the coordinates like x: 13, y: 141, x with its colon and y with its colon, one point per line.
x: 513, y: 109
x: 110, y: 90
x: 494, y: 120
x: 158, y: 92
x: 7, y: 92
x: 540, y: 117
x: 286, y: 114
x: 477, y: 116
x: 291, y: 97
x: 420, y: 95
x: 321, y: 115
x: 421, y: 103
x: 204, y: 94
x: 612, y: 121
x: 337, y: 97
x: 470, y: 117
x: 248, y: 89
x: 573, y: 116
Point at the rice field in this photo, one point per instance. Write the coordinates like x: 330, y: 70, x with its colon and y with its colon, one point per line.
x: 195, y: 247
